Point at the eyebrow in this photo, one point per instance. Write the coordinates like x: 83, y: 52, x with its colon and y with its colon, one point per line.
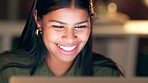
x: 66, y: 23
x: 57, y: 21
x: 82, y: 22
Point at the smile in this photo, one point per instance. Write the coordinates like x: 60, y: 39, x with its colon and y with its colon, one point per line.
x: 67, y: 48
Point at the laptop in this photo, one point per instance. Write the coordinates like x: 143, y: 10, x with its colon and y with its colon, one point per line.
x: 77, y: 80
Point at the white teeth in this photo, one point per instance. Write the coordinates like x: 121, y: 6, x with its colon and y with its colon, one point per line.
x: 67, y: 48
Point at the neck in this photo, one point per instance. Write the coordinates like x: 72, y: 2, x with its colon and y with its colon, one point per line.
x: 57, y: 67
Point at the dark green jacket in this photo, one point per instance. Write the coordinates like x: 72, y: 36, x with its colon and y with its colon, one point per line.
x: 102, y: 67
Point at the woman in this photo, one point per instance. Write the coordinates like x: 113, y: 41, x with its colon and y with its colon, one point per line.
x: 56, y: 41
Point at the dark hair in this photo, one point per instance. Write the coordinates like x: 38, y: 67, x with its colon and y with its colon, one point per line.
x: 34, y: 45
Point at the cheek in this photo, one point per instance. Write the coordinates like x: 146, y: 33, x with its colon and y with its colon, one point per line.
x: 49, y: 35
x: 84, y: 35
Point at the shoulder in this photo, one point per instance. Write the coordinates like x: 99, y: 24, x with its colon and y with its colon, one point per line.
x: 11, y: 64
x: 13, y: 56
x: 104, y: 66
x: 102, y: 60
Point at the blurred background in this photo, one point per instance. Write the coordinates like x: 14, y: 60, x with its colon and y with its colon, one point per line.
x: 120, y: 31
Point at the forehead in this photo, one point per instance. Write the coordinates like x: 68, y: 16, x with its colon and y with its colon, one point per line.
x: 68, y: 15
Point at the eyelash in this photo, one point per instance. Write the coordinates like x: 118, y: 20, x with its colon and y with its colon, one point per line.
x: 83, y: 26
x: 56, y: 26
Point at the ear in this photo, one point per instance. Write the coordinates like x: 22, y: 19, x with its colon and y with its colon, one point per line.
x: 37, y: 20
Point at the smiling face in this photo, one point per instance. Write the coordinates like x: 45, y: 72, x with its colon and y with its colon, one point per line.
x: 65, y: 32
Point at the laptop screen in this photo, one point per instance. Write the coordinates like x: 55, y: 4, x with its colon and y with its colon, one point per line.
x: 77, y: 80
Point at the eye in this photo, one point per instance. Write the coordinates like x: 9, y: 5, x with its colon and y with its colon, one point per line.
x: 57, y: 26
x: 81, y: 26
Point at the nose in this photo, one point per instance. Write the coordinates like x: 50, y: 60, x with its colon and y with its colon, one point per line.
x: 69, y: 36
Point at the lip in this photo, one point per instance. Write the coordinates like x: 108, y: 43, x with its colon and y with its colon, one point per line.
x: 67, y: 52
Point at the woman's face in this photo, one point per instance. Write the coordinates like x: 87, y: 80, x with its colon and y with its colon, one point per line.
x: 65, y: 32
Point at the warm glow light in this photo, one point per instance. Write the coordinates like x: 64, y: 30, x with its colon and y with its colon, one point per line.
x: 136, y: 27
x: 146, y: 2
x: 112, y: 7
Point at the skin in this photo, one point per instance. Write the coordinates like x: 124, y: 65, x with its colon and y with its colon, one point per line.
x: 65, y: 32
